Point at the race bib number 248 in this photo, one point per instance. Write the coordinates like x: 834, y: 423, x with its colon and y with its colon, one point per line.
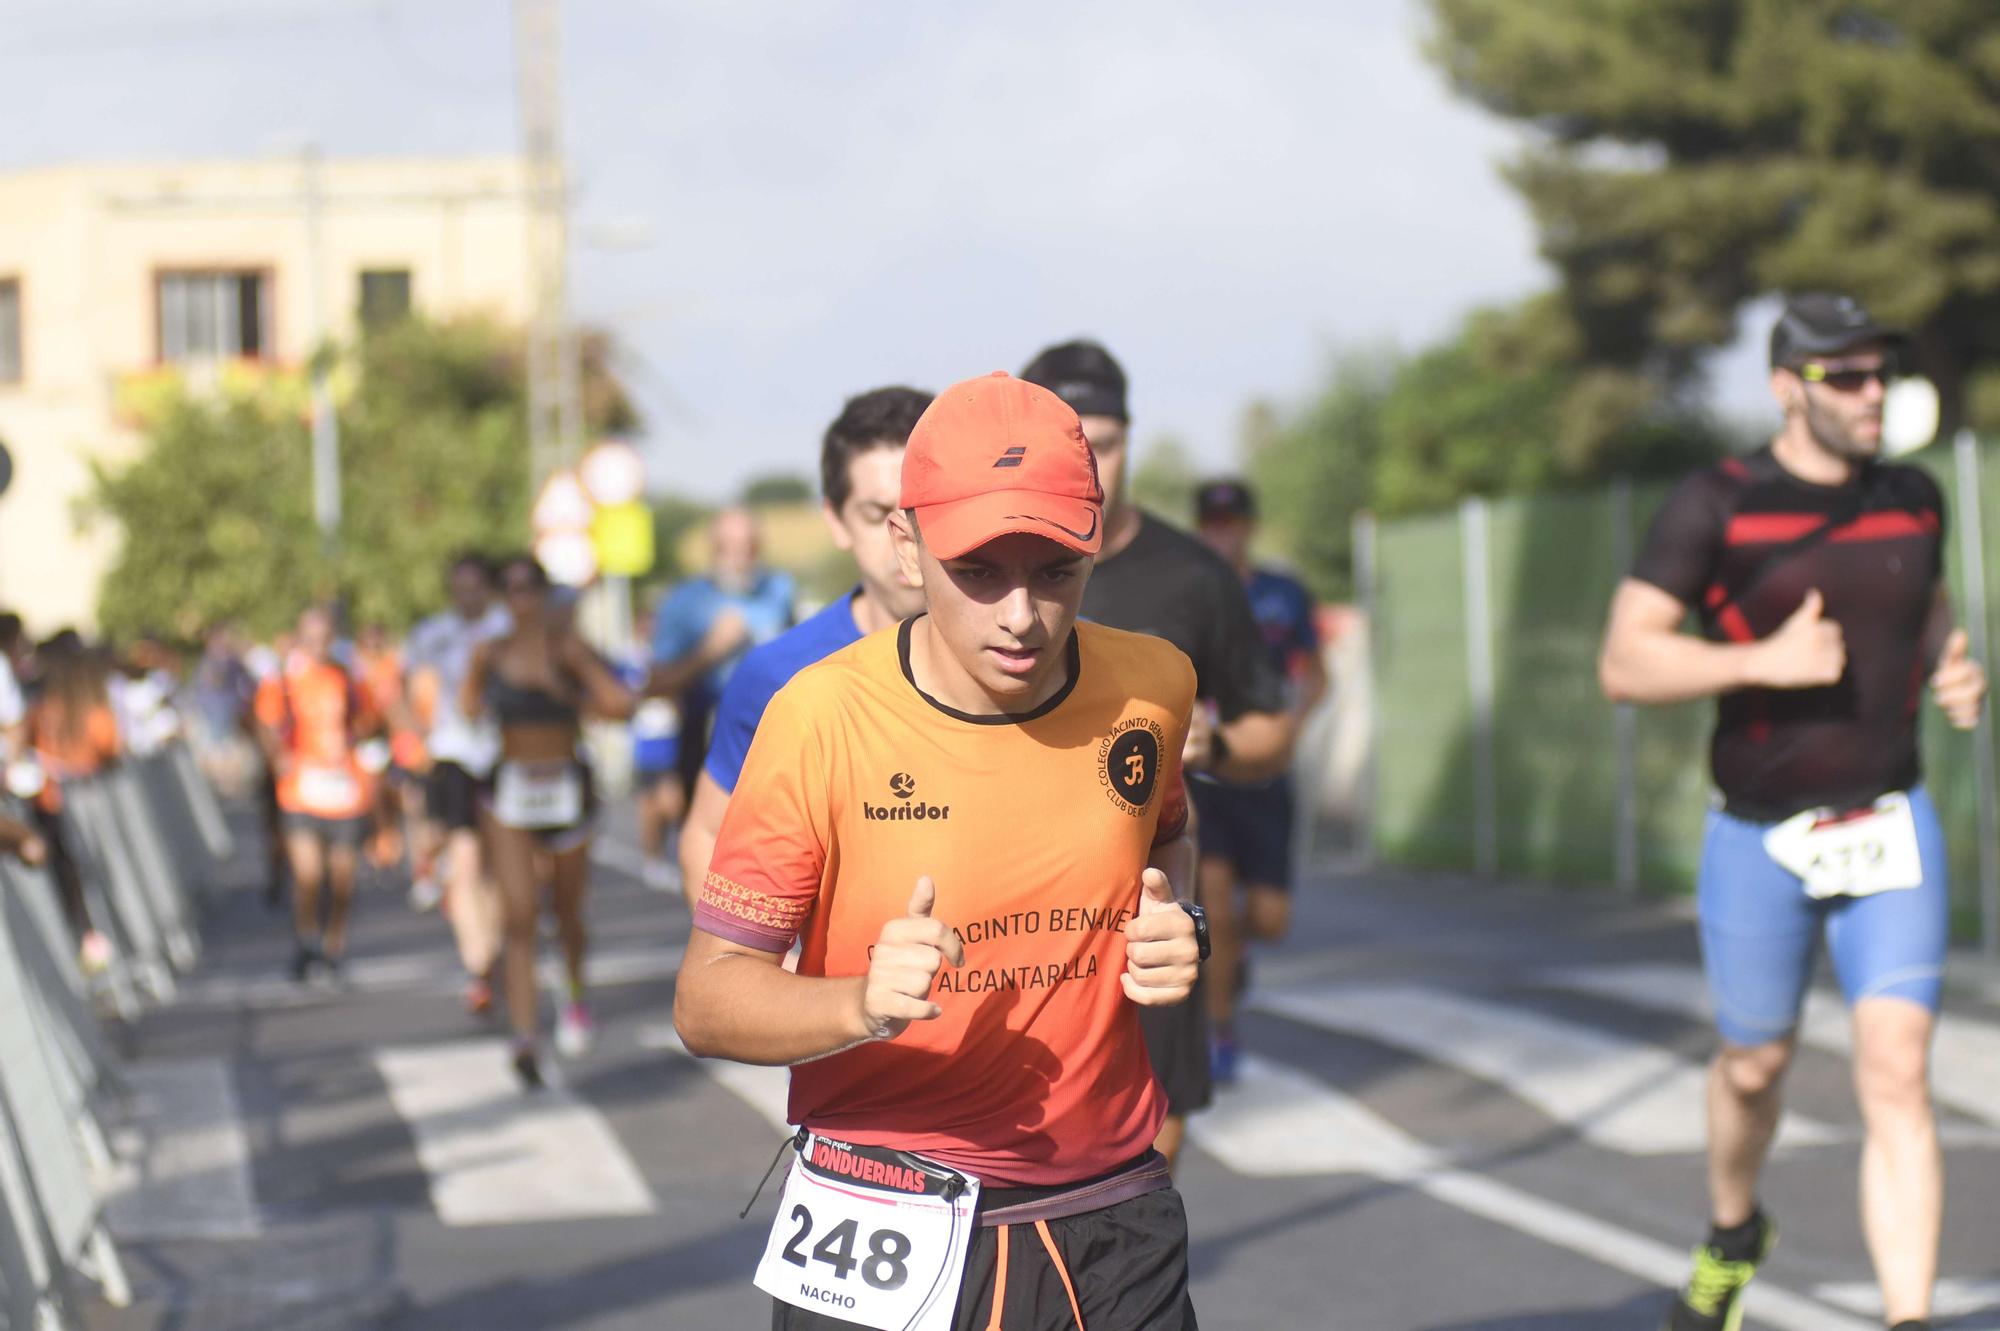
x: 870, y: 1235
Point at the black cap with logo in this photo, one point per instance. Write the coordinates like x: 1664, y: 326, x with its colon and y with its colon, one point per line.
x: 1822, y: 323
x: 1084, y: 375
x: 1226, y: 498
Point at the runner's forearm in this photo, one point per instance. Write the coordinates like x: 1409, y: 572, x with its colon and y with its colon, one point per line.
x: 1668, y: 666
x: 728, y: 1004
x: 1259, y: 745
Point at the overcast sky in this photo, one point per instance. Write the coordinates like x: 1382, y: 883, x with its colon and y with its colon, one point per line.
x: 841, y: 195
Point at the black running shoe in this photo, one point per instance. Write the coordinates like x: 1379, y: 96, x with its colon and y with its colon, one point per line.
x: 303, y: 957
x: 528, y: 1068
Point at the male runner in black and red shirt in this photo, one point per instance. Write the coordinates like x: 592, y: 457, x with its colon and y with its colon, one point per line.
x: 1817, y: 575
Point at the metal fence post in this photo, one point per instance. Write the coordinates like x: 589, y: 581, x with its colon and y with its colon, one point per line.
x: 1624, y: 716
x: 1365, y: 595
x: 1473, y: 525
x: 1972, y: 547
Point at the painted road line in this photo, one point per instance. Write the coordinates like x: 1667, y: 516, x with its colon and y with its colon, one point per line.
x: 1278, y: 1121
x: 1622, y: 1094
x: 496, y: 1155
x: 1978, y: 1301
x: 430, y: 973
x: 612, y: 855
x: 766, y: 1090
x: 184, y: 1160
x: 1965, y: 1056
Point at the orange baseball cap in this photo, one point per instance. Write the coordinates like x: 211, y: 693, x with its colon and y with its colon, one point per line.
x: 996, y: 455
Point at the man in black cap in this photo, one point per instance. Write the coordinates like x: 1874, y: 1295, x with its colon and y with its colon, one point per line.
x: 1246, y: 828
x: 1153, y: 578
x: 1817, y: 575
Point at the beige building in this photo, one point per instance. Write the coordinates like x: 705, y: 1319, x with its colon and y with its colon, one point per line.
x: 116, y: 277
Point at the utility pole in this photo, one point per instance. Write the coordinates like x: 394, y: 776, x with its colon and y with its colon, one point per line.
x: 325, y: 425
x: 555, y: 389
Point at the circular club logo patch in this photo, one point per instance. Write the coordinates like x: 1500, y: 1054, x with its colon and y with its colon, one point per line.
x: 1131, y: 764
x: 902, y: 785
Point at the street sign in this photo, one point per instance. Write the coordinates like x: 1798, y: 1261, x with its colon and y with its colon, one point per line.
x: 562, y: 505
x: 614, y: 473
x: 623, y: 537
x: 567, y: 556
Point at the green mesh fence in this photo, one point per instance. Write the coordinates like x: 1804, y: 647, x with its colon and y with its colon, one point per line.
x: 1551, y: 564
x: 1424, y: 777
x: 1555, y: 753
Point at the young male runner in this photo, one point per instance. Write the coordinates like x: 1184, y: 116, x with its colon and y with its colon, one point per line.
x: 1817, y: 574
x: 1153, y: 578
x: 975, y: 822
x: 462, y: 755
x: 311, y: 718
x: 1246, y: 827
x: 860, y: 468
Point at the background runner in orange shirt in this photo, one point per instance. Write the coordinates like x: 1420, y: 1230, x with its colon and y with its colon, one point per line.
x: 311, y: 717
x: 974, y: 822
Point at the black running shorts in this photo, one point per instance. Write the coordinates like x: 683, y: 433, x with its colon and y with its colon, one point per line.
x: 348, y: 832
x: 452, y: 797
x: 1250, y: 827
x: 1126, y: 1263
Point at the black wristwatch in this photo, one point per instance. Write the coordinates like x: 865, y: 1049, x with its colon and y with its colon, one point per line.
x: 1200, y: 918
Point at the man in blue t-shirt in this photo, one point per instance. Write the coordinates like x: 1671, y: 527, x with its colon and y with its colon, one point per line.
x: 1246, y: 830
x: 861, y: 470
x: 701, y: 632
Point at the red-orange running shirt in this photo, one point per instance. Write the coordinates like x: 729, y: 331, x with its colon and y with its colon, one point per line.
x: 308, y: 705
x: 1036, y: 829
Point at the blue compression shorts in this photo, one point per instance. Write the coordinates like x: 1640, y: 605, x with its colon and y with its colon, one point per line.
x: 1759, y: 930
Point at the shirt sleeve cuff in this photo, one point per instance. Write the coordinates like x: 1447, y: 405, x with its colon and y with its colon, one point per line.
x: 744, y: 915
x: 729, y: 928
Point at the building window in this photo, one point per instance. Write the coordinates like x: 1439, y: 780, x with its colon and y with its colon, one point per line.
x: 385, y: 296
x: 213, y: 316
x: 10, y: 330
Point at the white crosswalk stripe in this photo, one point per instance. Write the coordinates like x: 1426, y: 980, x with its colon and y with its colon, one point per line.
x: 1280, y: 1122
x: 1965, y: 1056
x: 496, y: 1156
x: 1619, y: 1093
x: 492, y: 1156
x: 1973, y: 1304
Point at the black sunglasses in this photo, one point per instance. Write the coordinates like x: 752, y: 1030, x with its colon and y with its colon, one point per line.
x: 1848, y: 381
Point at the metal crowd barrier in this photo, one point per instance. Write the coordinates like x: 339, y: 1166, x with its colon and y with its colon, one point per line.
x: 148, y: 840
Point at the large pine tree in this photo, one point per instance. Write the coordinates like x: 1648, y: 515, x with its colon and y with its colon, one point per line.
x: 1691, y: 155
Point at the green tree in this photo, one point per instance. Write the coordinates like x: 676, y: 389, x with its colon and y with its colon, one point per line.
x: 674, y: 516
x: 218, y: 522
x: 216, y: 513
x: 1496, y: 409
x: 1163, y: 483
x: 776, y: 488
x: 1314, y: 469
x: 1691, y: 155
x: 434, y: 461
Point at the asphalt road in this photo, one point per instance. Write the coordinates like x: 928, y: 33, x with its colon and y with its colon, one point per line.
x: 1467, y: 1107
